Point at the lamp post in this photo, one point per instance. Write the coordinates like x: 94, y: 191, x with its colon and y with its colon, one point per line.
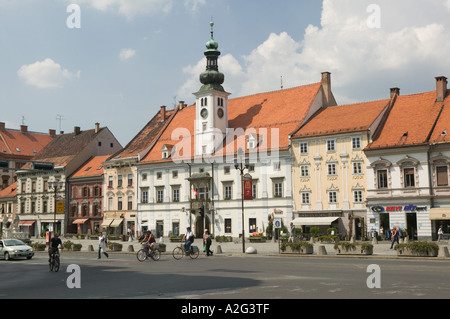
x: 241, y: 167
x: 55, y: 185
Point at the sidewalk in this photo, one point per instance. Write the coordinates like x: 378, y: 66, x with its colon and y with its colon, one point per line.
x: 269, y: 248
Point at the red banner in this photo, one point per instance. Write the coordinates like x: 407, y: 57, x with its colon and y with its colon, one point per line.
x: 248, y: 189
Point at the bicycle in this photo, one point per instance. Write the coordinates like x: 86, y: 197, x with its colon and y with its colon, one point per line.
x: 179, y: 252
x: 154, y: 254
x: 54, y: 260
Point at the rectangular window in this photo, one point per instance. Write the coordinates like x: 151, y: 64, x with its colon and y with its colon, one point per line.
x: 358, y: 196
x: 409, y: 177
x: 119, y: 180
x: 144, y: 197
x: 332, y: 197
x: 303, y: 148
x: 119, y: 203
x: 176, y: 194
x: 331, y: 169
x: 357, y: 168
x: 227, y: 192
x: 110, y: 203
x: 254, y: 189
x: 130, y: 179
x: 356, y: 143
x: 331, y: 146
x: 304, y: 171
x: 174, y: 174
x: 130, y: 203
x: 160, y: 195
x: 442, y: 175
x: 226, y: 170
x: 252, y: 225
x: 305, y: 198
x: 278, y: 189
x: 276, y: 166
x: 110, y: 181
x: 382, y: 179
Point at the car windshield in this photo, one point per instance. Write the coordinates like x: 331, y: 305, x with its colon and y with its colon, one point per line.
x: 13, y: 242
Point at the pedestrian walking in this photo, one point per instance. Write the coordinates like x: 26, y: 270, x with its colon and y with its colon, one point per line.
x: 440, y: 233
x: 395, y: 236
x: 292, y: 233
x: 208, y: 242
x: 102, y: 245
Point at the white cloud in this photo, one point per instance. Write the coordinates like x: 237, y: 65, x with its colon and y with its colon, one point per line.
x: 131, y: 8
x: 46, y: 74
x: 126, y: 54
x: 194, y: 4
x: 410, y: 48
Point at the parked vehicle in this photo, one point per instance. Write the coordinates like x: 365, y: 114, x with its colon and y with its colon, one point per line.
x: 15, y: 248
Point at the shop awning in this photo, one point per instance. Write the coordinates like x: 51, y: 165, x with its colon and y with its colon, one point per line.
x: 314, y: 221
x: 107, y: 222
x: 79, y: 221
x: 26, y: 223
x: 116, y: 222
x: 440, y: 213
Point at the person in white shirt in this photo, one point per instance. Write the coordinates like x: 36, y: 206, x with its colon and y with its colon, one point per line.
x: 102, y: 245
x: 189, y: 238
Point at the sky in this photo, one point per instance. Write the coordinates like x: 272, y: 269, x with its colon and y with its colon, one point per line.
x: 66, y: 63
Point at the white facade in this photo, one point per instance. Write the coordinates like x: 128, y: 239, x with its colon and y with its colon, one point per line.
x: 398, y: 187
x: 165, y: 192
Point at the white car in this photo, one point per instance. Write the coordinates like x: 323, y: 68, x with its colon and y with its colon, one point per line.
x: 15, y: 248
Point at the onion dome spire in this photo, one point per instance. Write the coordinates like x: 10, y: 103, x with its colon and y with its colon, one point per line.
x: 212, y: 79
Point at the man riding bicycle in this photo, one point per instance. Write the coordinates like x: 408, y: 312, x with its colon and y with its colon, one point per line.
x: 149, y: 242
x: 189, y: 238
x: 53, y: 248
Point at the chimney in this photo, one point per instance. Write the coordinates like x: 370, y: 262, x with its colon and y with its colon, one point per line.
x: 52, y: 132
x: 441, y: 88
x: 163, y: 113
x: 76, y: 130
x: 395, y: 91
x: 97, y: 127
x: 2, y: 126
x: 326, y: 85
x: 24, y: 128
x: 181, y: 105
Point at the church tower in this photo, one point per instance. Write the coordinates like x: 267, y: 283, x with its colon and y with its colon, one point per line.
x: 211, y: 103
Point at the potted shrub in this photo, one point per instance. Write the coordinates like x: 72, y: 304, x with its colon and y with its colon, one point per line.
x: 300, y: 247
x: 176, y: 239
x: 76, y: 247
x: 416, y: 249
x: 68, y: 245
x: 38, y: 246
x: 314, y: 231
x: 346, y: 248
x: 114, y: 246
x: 161, y: 247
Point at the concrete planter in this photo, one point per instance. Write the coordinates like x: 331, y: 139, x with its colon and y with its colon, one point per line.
x: 298, y: 249
x: 406, y: 252
x: 417, y: 249
x: 76, y: 248
x: 115, y: 247
x: 353, y: 249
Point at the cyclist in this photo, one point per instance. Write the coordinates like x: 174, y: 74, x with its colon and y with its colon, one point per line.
x: 54, y: 243
x: 148, y: 241
x: 189, y: 238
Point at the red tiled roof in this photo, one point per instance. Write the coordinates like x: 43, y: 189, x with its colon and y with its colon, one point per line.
x: 10, y: 191
x: 410, y: 121
x: 18, y: 143
x: 441, y: 132
x: 343, y: 119
x: 145, y: 137
x: 93, y: 167
x: 282, y: 111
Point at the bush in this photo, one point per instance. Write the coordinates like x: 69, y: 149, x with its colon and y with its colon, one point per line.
x: 419, y: 247
x: 314, y: 231
x: 68, y: 245
x: 76, y: 246
x: 296, y: 245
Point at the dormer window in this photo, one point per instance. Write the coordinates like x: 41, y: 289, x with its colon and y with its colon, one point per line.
x: 253, y: 140
x: 166, y: 151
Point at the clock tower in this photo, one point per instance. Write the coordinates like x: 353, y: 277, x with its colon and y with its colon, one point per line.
x: 211, y: 103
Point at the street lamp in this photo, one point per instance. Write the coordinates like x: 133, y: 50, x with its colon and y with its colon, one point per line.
x: 240, y: 166
x: 55, y: 185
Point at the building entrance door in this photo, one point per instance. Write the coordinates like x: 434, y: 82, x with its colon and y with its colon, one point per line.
x: 159, y: 228
x: 411, y: 225
x: 384, y: 222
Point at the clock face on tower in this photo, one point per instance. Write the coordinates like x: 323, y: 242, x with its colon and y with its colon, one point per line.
x: 204, y: 113
x: 220, y: 113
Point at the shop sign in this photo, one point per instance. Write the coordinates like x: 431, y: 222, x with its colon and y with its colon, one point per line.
x: 381, y: 209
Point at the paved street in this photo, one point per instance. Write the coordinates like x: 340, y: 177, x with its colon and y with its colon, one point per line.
x: 225, y: 276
